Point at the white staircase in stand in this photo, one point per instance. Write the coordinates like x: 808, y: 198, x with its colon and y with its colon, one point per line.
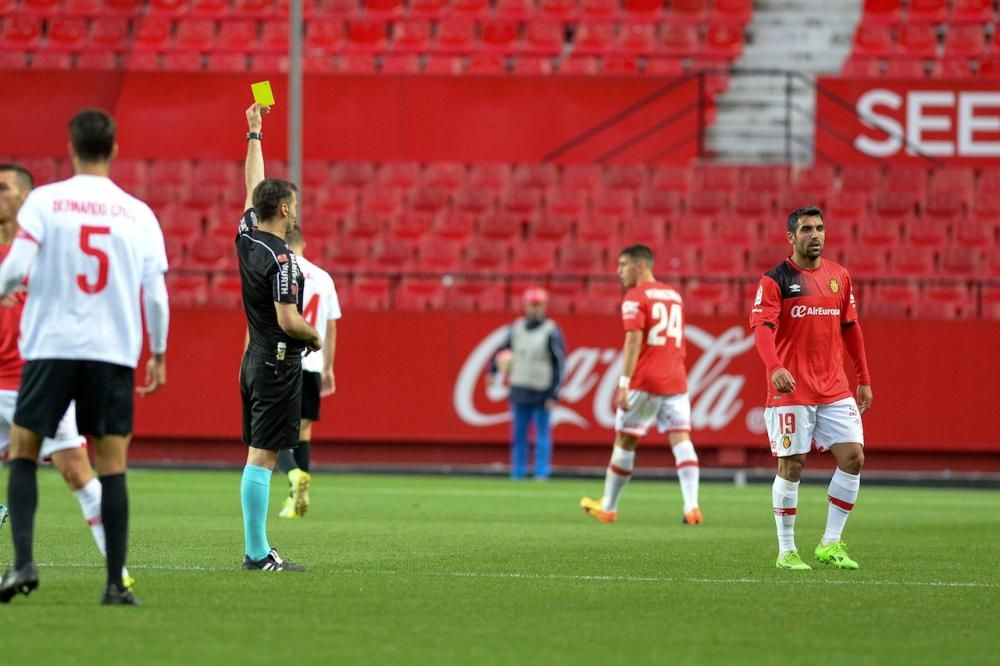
x: 807, y: 36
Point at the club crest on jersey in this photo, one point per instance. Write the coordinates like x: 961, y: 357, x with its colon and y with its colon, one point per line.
x: 786, y: 442
x: 834, y: 286
x: 795, y: 288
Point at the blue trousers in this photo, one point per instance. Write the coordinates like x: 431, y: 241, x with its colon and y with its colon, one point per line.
x: 524, y: 415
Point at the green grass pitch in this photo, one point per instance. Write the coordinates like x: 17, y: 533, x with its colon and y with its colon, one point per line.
x: 457, y: 570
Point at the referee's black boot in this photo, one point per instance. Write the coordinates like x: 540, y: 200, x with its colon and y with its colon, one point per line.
x: 118, y: 596
x: 22, y: 580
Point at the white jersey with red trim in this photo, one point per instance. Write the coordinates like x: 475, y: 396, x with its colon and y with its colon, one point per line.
x: 319, y: 305
x: 97, y: 247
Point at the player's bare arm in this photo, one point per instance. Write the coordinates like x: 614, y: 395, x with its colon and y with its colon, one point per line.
x: 254, y: 168
x: 328, y: 384
x: 630, y: 357
x: 292, y: 323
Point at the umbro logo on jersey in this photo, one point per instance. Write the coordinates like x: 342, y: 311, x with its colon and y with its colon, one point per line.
x: 795, y: 288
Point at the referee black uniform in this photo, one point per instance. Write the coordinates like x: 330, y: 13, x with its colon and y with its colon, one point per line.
x: 271, y: 372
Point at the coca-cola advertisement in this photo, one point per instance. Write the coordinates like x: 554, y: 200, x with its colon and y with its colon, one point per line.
x: 422, y: 377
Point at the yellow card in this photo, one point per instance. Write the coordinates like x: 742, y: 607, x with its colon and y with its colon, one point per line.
x: 262, y: 93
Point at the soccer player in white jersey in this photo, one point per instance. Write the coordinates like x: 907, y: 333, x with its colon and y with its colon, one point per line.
x: 321, y: 310
x: 67, y: 449
x: 88, y: 250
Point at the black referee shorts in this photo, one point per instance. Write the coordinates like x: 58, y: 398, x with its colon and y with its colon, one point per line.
x: 311, y: 384
x: 272, y: 400
x: 103, y: 394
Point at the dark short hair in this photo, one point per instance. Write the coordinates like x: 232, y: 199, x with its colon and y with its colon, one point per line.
x: 798, y: 213
x: 638, y: 252
x: 24, y: 177
x: 295, y: 237
x: 268, y: 196
x: 92, y: 132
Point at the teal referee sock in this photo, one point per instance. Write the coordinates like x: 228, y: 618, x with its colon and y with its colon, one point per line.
x: 255, y: 491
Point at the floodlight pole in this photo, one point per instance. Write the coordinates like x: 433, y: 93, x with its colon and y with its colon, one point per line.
x: 295, y: 94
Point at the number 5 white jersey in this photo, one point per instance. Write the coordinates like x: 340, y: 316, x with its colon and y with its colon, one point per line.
x: 319, y: 305
x: 97, y: 247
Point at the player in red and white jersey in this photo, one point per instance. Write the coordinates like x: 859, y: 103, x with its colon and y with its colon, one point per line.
x: 321, y: 310
x: 88, y: 250
x: 67, y: 449
x: 804, y: 318
x: 652, y: 387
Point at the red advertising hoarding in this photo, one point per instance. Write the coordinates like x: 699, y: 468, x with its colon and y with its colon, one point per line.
x: 421, y: 377
x: 953, y: 122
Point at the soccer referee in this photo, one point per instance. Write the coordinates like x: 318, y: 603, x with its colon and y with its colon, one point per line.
x: 271, y: 372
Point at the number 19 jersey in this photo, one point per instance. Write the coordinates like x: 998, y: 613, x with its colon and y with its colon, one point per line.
x: 97, y: 246
x: 657, y: 310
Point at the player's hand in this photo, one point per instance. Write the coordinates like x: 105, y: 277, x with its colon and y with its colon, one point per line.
x: 550, y: 403
x: 783, y: 381
x: 156, y: 374
x: 255, y: 116
x: 314, y: 344
x: 328, y: 385
x: 865, y: 397
x: 8, y: 301
x: 621, y: 399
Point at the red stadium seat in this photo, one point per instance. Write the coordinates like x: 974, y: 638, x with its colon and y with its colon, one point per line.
x: 974, y: 233
x: 691, y: 231
x: 195, y: 34
x: 913, y: 261
x: 210, y: 8
x: 187, y: 291
x: 947, y: 302
x: 962, y: 261
x: 455, y: 225
x: 439, y: 255
x: 255, y: 9
x: 991, y: 303
x: 383, y: 9
x: 599, y: 229
x: 704, y: 299
x: 620, y: 64
x: 917, y: 40
x: 614, y: 203
x: 400, y: 175
x: 559, y: 10
x: 109, y: 33
x: 455, y: 35
x: 534, y: 258
x: 226, y: 292
x: 392, y: 255
x: 274, y: 37
x: 501, y: 226
x: 470, y: 8
x: 347, y: 254
x: 87, y: 8
x: 977, y: 12
x: 431, y: 9
x: 953, y: 179
x: 893, y: 301
x: 341, y: 8
x: 594, y: 38
x: 489, y: 176
x: 723, y: 41
x: 567, y: 203
x: 227, y: 62
x: 860, y: 178
x: 21, y: 32
x: 945, y: 205
x: 538, y: 176
x: 866, y: 261
x: 552, y: 227
x: 727, y: 260
x: 366, y: 293
x: 169, y: 7
x: 650, y: 230
x: 873, y: 40
x: 66, y: 33
x: 708, y: 203
x: 680, y: 41
x: 516, y: 10
x: 154, y: 33
x: 580, y: 66
x: 637, y: 38
x: 582, y: 258
x: 411, y: 225
x: 601, y: 298
x: 411, y: 36
x: 964, y: 41
x: 429, y: 199
x: 675, y: 261
x: 358, y: 63
x: 474, y: 295
x: 906, y: 179
x: 183, y: 61
x: 543, y: 38
x: 653, y: 202
x: 671, y: 179
x: 924, y: 232
x: 880, y: 231
x: 882, y: 12
x: 862, y: 67
x: 123, y: 7
x: 600, y: 10
x: 895, y: 204
x: 487, y: 256
x: 238, y: 35
x: 473, y: 200
x: 692, y: 12
x: 927, y: 11
x: 521, y: 200
x: 645, y: 11
x: 735, y: 12
x: 366, y: 36
x: 665, y: 67
x: 211, y: 254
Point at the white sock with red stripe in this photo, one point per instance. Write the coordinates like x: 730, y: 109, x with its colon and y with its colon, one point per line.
x: 686, y: 461
x: 785, y: 500
x: 842, y: 494
x: 619, y: 472
x: 89, y: 498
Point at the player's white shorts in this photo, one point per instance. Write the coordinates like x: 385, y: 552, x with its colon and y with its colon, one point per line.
x: 670, y: 412
x: 67, y: 435
x: 793, y: 428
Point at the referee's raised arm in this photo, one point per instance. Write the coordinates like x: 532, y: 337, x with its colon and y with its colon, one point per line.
x: 254, y: 169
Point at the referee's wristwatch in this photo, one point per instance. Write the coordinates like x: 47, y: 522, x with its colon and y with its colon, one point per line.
x: 253, y: 135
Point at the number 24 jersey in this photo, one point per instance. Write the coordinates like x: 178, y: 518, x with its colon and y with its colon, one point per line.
x: 657, y: 310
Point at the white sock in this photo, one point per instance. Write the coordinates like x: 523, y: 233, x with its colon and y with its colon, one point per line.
x: 842, y: 495
x: 89, y: 498
x: 619, y: 472
x: 785, y: 500
x: 688, y: 472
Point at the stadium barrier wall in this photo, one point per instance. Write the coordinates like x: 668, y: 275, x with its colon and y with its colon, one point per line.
x: 916, y: 122
x: 367, y: 118
x: 413, y: 387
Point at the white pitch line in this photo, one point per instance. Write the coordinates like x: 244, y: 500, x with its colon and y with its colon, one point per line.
x: 792, y: 580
